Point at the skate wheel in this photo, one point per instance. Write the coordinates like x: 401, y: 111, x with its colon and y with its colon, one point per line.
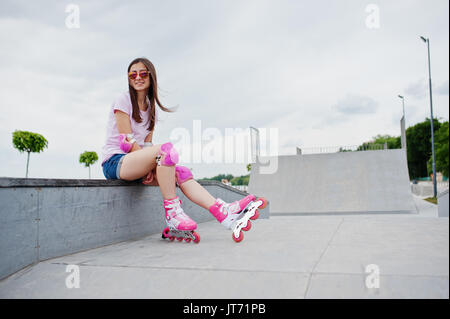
x: 165, y: 232
x: 264, y: 204
x: 188, y: 240
x: 197, y: 238
x: 180, y: 238
x: 171, y: 238
x: 247, y: 227
x: 255, y: 216
x: 239, y: 239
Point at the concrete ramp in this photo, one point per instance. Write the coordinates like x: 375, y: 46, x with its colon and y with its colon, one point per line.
x: 347, y: 182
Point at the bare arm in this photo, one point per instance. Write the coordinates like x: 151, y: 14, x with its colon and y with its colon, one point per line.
x: 124, y: 127
x: 149, y: 137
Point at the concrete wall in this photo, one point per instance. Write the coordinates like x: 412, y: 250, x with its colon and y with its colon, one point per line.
x: 336, y: 183
x: 426, y: 189
x: 47, y: 218
x: 422, y: 190
x: 443, y: 204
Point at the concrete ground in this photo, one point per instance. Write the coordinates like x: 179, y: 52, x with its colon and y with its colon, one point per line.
x: 282, y: 257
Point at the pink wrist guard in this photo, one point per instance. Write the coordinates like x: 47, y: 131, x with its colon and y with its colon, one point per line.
x: 124, y: 144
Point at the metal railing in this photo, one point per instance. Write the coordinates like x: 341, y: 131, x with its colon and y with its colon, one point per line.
x: 243, y: 188
x: 338, y: 149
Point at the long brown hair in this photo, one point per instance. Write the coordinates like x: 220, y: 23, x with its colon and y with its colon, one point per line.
x: 152, y: 94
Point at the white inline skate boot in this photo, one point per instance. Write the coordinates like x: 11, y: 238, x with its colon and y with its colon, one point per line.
x: 179, y: 225
x: 236, y: 216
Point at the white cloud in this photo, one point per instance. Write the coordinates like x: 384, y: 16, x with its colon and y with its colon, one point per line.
x: 353, y: 104
x: 442, y: 89
x: 418, y: 89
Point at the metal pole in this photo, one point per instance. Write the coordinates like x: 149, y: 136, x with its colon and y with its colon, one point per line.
x: 403, y: 100
x: 403, y: 132
x: 257, y: 142
x: 431, y: 120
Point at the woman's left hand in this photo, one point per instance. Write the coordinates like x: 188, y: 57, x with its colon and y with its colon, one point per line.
x: 149, y: 178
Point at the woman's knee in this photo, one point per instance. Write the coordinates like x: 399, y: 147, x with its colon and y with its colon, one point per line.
x: 183, y: 174
x: 167, y: 155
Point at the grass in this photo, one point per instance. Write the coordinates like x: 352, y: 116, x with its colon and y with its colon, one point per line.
x: 432, y: 200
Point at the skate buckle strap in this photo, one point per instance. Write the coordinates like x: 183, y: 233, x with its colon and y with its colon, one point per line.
x: 176, y: 211
x: 232, y: 208
x: 222, y: 205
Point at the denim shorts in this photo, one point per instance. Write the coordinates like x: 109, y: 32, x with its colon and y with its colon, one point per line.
x: 111, y: 168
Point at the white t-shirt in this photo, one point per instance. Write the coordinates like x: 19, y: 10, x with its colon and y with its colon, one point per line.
x: 140, y: 130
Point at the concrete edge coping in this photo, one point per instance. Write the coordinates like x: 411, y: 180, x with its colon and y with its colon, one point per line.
x: 345, y: 213
x: 444, y: 192
x: 9, y: 182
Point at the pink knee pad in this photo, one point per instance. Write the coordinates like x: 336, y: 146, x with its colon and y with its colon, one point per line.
x: 124, y: 144
x: 168, y: 155
x: 182, y: 174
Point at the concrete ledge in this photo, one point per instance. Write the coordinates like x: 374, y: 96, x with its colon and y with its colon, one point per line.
x: 426, y: 189
x: 47, y: 218
x: 6, y: 182
x: 423, y: 190
x: 346, y: 213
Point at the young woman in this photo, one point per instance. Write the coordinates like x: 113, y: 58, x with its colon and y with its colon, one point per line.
x: 129, y: 154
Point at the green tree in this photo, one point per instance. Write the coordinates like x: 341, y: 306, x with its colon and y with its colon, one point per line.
x: 240, y: 180
x: 88, y: 158
x: 392, y: 142
x: 28, y: 142
x: 418, y: 143
x: 249, y: 167
x: 441, y: 151
x: 219, y: 178
x: 379, y: 141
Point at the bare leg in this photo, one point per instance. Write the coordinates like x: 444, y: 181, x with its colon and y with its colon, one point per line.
x: 197, y: 194
x: 139, y: 163
x: 166, y: 180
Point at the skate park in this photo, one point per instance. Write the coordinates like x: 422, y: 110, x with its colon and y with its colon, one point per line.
x: 352, y: 210
x: 340, y: 225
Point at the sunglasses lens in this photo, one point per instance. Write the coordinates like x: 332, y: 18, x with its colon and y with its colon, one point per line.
x: 132, y: 75
x: 143, y: 74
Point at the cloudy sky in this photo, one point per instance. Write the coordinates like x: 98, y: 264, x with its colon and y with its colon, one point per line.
x: 323, y: 73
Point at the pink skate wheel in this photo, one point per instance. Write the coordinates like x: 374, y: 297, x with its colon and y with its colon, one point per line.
x: 187, y: 240
x: 239, y: 239
x: 248, y: 226
x: 166, y: 232
x: 171, y: 238
x: 180, y: 238
x: 264, y: 204
x: 255, y: 216
x: 197, y: 238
